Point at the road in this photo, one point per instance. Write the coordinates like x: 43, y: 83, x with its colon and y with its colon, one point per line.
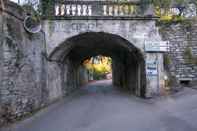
x: 99, y: 107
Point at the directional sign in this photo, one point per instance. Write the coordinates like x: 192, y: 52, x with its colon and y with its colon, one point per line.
x: 156, y: 46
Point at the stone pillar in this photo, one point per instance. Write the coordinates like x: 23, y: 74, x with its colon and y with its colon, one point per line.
x: 154, y: 73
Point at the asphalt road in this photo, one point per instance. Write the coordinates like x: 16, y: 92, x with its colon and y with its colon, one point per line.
x: 99, y: 107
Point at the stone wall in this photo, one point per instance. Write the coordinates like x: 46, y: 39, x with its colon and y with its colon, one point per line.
x: 181, y: 37
x: 22, y: 67
x: 136, y: 32
x: 29, y: 80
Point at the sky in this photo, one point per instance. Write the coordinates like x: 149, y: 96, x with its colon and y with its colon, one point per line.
x: 14, y: 0
x: 17, y: 1
x: 23, y: 1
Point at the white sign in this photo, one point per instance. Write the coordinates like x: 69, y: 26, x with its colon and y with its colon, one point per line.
x: 151, y: 68
x: 156, y: 46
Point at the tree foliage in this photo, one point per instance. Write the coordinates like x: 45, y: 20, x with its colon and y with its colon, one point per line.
x: 181, y: 5
x: 99, y: 66
x: 165, y: 9
x: 161, y: 6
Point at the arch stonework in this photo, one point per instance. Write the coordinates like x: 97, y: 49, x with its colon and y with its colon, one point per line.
x: 128, y: 61
x: 136, y: 32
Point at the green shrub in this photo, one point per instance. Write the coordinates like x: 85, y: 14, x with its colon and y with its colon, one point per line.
x: 188, y: 55
x: 167, y: 60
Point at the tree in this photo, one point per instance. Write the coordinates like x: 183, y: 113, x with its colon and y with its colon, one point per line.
x: 98, y: 65
x: 162, y: 6
x: 2, y: 4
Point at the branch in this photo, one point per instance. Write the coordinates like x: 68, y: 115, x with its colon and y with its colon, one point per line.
x: 2, y: 5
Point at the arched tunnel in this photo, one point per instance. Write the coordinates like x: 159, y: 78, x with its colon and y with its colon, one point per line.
x: 128, y: 64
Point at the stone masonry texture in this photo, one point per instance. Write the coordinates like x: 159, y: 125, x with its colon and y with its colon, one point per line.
x: 28, y: 81
x: 181, y: 37
x: 22, y: 79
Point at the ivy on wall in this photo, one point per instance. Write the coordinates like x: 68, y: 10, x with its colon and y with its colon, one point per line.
x: 167, y: 61
x: 189, y: 57
x: 163, y: 9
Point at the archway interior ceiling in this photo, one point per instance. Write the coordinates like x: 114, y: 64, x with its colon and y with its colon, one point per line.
x: 83, y: 46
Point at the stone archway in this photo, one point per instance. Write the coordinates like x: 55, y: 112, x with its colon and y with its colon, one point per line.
x: 128, y: 62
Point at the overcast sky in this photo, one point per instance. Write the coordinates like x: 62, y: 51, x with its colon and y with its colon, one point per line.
x: 23, y: 1
x: 14, y: 0
x: 17, y: 0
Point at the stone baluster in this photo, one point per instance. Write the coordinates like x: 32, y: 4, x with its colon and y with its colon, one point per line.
x: 57, y: 11
x: 68, y: 9
x: 121, y: 12
x: 129, y: 10
x: 116, y: 10
x: 105, y: 10
x: 74, y: 8
x: 62, y: 10
x: 89, y: 10
x: 126, y: 10
x: 84, y: 10
x: 110, y: 10
x: 79, y: 8
x: 132, y: 10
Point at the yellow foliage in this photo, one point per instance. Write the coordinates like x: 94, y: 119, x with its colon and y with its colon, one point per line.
x: 102, y: 67
x: 166, y: 17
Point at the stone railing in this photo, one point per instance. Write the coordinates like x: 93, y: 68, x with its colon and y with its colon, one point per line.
x: 104, y: 9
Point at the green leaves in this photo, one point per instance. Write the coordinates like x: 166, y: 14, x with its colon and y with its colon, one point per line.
x: 189, y: 56
x: 162, y: 3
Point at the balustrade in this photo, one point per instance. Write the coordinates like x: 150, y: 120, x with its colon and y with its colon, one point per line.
x: 95, y: 8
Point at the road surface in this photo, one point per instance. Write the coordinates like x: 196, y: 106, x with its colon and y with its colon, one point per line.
x: 99, y: 107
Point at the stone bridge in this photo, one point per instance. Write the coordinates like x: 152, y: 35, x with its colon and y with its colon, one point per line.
x: 81, y: 29
x: 37, y: 69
